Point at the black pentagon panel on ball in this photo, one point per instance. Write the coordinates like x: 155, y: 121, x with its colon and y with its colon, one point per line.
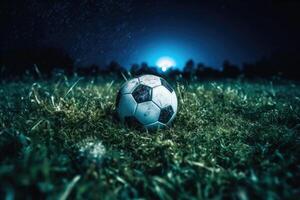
x: 142, y: 93
x: 166, y: 84
x: 166, y: 114
x: 132, y: 122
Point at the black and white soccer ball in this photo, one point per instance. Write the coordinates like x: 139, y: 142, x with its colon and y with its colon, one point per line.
x: 147, y: 101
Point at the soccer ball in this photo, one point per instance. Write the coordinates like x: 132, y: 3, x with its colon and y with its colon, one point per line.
x: 147, y: 101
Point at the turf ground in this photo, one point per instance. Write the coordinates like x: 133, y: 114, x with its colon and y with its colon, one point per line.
x: 231, y: 139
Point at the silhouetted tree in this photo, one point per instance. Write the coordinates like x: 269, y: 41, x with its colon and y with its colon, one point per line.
x: 199, y: 70
x: 230, y: 70
x: 207, y: 72
x: 137, y: 70
x: 134, y: 69
x: 248, y: 70
x: 189, y: 69
x: 114, y: 68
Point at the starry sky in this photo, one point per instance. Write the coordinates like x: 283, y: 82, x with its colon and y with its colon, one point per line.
x: 135, y: 31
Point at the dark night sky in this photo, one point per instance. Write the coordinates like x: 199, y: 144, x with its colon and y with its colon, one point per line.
x: 135, y: 31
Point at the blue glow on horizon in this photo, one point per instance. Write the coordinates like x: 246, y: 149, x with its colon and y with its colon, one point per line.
x: 178, y: 51
x: 165, y: 63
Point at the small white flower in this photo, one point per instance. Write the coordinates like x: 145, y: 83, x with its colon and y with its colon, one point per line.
x: 91, y: 150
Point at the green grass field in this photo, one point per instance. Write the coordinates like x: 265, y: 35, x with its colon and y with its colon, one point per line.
x: 230, y: 139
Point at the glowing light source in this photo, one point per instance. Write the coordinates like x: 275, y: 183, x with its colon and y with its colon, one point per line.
x: 165, y: 63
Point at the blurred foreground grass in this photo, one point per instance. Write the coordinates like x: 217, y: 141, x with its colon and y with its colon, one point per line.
x: 231, y: 139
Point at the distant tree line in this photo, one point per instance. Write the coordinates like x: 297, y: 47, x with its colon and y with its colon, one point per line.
x: 38, y: 62
x: 45, y: 62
